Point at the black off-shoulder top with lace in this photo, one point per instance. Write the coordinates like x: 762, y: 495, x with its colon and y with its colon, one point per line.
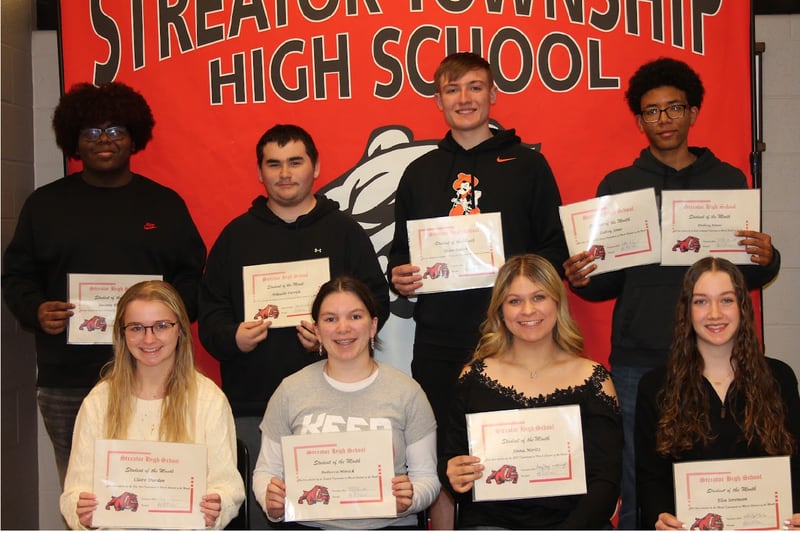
x: 475, y: 392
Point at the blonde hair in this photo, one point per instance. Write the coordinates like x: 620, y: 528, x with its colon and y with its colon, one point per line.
x: 495, y: 336
x: 120, y: 373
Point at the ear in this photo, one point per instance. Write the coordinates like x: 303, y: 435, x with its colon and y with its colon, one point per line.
x: 260, y: 176
x: 640, y: 123
x: 373, y: 330
x: 693, y: 112
x: 493, y: 95
x: 316, y: 169
x: 438, y: 98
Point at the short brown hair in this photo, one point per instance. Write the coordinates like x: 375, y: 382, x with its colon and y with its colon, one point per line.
x: 456, y: 65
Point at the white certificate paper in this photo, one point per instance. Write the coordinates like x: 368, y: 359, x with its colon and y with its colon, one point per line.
x: 528, y: 453
x: 734, y: 494
x: 339, y: 475
x: 619, y: 230
x: 95, y: 297
x: 283, y: 292
x: 697, y: 224
x: 456, y: 253
x: 149, y: 484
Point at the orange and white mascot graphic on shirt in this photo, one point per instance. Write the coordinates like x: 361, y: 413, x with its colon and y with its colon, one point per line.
x: 463, y: 202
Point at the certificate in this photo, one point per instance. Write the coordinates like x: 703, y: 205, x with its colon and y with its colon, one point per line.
x: 283, y: 292
x: 95, y: 297
x: 697, y: 224
x: 456, y: 253
x: 734, y: 494
x: 528, y: 453
x: 149, y: 484
x: 339, y: 475
x: 619, y: 230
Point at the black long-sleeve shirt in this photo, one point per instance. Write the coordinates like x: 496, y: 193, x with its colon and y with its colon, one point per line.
x: 654, y: 479
x: 602, y: 446
x: 69, y: 226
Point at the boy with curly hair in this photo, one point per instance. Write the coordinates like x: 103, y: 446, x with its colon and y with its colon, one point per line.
x: 665, y: 96
x: 103, y: 219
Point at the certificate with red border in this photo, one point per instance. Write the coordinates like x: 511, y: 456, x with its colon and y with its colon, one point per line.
x: 697, y: 224
x: 528, y: 453
x: 619, y: 230
x: 456, y: 253
x: 339, y: 475
x: 149, y: 484
x: 734, y: 494
x: 95, y: 297
x: 283, y: 292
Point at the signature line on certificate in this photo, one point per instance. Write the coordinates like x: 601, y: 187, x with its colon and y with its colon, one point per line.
x: 563, y: 478
x: 379, y: 499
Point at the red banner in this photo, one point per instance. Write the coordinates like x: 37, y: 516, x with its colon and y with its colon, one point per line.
x: 357, y: 74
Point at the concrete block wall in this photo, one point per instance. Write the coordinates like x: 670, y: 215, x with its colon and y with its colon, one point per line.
x: 781, y: 179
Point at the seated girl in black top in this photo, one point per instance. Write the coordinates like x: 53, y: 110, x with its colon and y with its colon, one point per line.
x: 717, y: 398
x: 528, y: 356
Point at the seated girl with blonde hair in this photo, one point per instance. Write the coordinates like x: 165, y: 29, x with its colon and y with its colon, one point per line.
x: 151, y: 391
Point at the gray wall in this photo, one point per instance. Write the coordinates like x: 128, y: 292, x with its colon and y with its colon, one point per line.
x: 781, y: 186
x: 19, y: 490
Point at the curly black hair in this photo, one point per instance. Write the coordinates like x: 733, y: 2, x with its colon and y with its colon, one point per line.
x: 662, y: 72
x: 88, y: 106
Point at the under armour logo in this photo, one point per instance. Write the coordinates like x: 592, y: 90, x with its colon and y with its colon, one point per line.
x: 317, y: 250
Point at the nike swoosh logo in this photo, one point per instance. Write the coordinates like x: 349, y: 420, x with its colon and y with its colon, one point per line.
x: 505, y: 159
x: 149, y: 226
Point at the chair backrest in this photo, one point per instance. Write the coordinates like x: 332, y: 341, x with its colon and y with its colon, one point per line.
x: 242, y: 520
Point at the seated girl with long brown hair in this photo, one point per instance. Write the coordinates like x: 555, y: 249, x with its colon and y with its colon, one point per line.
x: 718, y: 396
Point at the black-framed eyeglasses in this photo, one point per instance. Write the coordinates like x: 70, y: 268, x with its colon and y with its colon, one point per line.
x: 114, y: 133
x: 158, y: 329
x: 653, y: 114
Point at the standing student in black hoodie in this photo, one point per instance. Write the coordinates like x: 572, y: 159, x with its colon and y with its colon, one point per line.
x: 473, y: 170
x: 665, y: 97
x: 290, y: 224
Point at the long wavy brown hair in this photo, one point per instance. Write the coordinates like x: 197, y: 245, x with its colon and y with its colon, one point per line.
x: 495, y: 336
x: 120, y: 373
x: 685, y: 401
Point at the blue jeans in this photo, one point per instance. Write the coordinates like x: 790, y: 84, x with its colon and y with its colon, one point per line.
x: 59, y: 408
x: 626, y: 381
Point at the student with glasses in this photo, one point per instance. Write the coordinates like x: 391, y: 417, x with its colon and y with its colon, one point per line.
x: 665, y: 96
x: 151, y: 391
x: 102, y: 219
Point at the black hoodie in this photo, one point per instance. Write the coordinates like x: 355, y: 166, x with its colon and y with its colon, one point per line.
x: 644, y: 314
x: 510, y: 179
x: 259, y: 237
